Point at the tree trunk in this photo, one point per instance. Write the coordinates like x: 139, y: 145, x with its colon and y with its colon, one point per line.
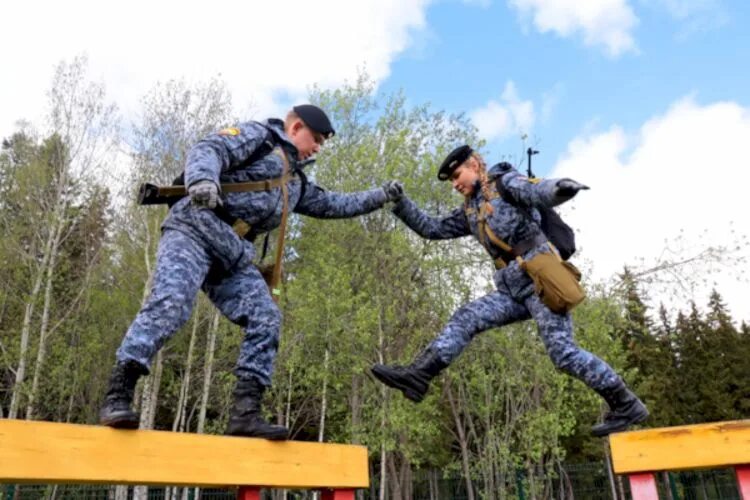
x: 324, y: 397
x: 150, y: 396
x: 45, y: 269
x: 180, y: 418
x: 356, y: 408
x: 665, y: 478
x: 26, y: 335
x: 121, y: 492
x: 620, y: 487
x: 408, y: 481
x: 41, y: 353
x: 149, y: 400
x: 287, y: 422
x: 383, y: 420
x: 396, y: 483
x: 432, y: 479
x: 610, y: 473
x: 704, y: 491
x: 208, y: 366
x: 463, y: 444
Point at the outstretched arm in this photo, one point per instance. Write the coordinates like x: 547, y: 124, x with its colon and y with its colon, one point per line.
x: 322, y: 204
x: 453, y: 225
x: 537, y: 193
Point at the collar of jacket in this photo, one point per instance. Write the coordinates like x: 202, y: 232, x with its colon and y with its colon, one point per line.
x: 276, y: 127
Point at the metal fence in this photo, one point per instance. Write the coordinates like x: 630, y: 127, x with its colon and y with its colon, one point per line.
x: 574, y: 481
x: 102, y: 492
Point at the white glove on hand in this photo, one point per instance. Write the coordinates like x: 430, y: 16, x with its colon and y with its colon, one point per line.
x: 204, y: 194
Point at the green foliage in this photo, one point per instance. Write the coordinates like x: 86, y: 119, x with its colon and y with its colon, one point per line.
x: 356, y: 292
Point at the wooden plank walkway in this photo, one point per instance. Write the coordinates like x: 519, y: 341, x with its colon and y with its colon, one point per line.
x: 47, y: 452
x: 641, y: 453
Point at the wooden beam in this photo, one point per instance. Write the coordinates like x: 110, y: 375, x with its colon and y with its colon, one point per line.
x: 47, y: 452
x: 720, y: 444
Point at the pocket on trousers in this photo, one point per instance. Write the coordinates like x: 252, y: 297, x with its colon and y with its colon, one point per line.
x: 556, y: 282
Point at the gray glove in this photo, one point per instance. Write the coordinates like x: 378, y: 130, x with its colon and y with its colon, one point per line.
x: 566, y: 189
x: 204, y: 194
x: 394, y: 190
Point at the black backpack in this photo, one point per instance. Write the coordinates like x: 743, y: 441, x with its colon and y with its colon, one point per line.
x: 554, y: 228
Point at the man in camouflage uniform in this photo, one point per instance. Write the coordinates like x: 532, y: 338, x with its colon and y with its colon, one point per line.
x: 517, y: 224
x: 199, y: 249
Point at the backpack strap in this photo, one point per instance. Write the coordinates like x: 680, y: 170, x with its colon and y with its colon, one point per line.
x: 504, y: 193
x: 486, y: 235
x: 277, y: 268
x: 231, y: 187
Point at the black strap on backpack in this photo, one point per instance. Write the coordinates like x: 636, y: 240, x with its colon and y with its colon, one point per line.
x: 554, y: 228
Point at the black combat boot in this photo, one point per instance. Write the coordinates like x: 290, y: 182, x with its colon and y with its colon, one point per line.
x: 245, y: 418
x: 625, y: 410
x: 413, y: 380
x: 116, y: 411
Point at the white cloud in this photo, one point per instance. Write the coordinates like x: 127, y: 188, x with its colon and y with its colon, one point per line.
x: 679, y: 182
x: 268, y: 52
x: 509, y: 115
x: 606, y: 23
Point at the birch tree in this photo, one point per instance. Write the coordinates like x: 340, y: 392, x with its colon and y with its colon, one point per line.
x: 81, y: 132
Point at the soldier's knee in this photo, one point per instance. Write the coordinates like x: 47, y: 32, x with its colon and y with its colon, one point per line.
x: 564, y: 355
x: 184, y: 314
x: 463, y: 314
x: 465, y: 319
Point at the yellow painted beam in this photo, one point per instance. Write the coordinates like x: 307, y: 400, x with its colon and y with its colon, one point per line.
x: 701, y: 446
x: 47, y: 452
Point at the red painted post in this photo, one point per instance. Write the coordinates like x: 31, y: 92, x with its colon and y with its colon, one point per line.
x: 643, y: 486
x: 338, y: 495
x: 743, y: 480
x: 248, y: 493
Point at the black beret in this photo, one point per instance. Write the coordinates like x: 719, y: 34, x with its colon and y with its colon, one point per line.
x: 453, y: 161
x: 316, y: 119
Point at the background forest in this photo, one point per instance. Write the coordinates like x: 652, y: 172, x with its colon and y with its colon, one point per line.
x: 77, y: 253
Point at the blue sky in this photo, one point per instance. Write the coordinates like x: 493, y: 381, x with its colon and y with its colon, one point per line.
x: 469, y: 52
x: 645, y: 101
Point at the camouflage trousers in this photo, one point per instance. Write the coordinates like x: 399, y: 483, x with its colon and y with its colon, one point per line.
x: 556, y: 330
x: 183, y: 266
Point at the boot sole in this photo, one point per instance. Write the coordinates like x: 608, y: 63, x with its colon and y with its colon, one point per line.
x: 637, y: 419
x: 280, y: 436
x: 407, y: 391
x: 121, y: 421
